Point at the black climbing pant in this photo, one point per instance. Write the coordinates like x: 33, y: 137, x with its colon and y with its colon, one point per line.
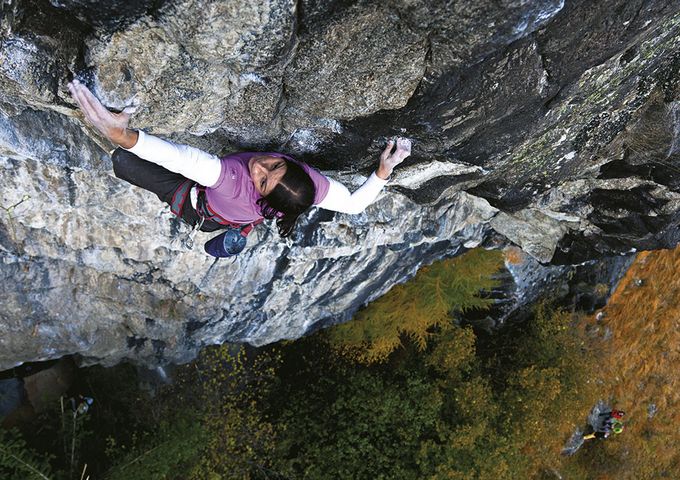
x: 156, y: 179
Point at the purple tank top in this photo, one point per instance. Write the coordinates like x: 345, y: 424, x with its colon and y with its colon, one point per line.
x: 234, y: 197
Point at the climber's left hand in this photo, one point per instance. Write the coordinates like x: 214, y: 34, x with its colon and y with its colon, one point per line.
x: 389, y: 160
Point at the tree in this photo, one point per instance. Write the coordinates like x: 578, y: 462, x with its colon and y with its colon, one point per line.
x: 553, y: 384
x: 18, y: 461
x: 219, y: 432
x: 338, y: 420
x: 240, y: 438
x: 451, y: 411
x: 412, y: 309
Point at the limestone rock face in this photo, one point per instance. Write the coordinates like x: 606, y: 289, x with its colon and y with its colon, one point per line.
x: 363, y: 61
x: 552, y: 125
x: 198, y: 66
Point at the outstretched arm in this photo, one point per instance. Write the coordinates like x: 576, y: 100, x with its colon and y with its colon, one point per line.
x: 339, y: 199
x: 190, y: 162
x: 113, y: 126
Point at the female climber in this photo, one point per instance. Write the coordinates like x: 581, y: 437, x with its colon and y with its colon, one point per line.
x: 235, y: 192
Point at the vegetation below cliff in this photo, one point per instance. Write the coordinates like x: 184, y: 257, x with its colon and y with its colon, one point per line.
x: 442, y: 402
x: 639, y: 371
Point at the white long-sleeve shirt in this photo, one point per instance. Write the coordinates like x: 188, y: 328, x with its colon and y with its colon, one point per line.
x: 205, y: 169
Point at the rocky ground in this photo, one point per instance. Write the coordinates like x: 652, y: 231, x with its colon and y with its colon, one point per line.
x: 551, y: 125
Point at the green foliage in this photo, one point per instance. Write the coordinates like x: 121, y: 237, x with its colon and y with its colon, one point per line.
x: 452, y: 355
x: 240, y: 438
x: 222, y: 433
x: 414, y: 308
x: 122, y: 420
x: 456, y: 410
x: 167, y: 455
x: 350, y: 423
x: 219, y: 431
x: 18, y: 461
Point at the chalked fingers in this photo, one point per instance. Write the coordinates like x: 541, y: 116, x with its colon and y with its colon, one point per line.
x: 403, y: 148
x: 388, y: 151
x: 81, y: 100
x: 111, y: 125
x: 93, y: 106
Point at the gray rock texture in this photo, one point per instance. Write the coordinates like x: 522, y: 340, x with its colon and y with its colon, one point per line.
x: 552, y: 125
x: 198, y: 66
x: 379, y: 59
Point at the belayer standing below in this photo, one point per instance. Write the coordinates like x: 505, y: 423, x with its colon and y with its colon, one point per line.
x: 235, y: 192
x: 609, y: 421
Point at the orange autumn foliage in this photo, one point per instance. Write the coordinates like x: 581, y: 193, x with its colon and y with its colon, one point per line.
x: 412, y: 309
x: 641, y: 370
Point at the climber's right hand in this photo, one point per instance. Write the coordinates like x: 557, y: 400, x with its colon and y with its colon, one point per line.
x: 113, y: 126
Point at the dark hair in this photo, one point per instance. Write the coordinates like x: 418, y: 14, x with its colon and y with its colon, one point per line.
x: 290, y: 198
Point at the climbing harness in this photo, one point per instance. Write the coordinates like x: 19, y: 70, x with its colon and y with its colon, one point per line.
x: 180, y: 196
x: 227, y: 244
